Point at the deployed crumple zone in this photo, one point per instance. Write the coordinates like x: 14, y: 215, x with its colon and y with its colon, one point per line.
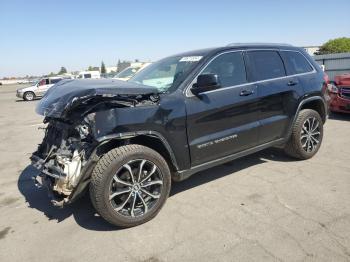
x: 76, y: 122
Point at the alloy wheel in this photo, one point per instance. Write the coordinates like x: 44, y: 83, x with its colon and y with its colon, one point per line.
x: 310, y: 134
x: 29, y: 96
x: 135, y: 188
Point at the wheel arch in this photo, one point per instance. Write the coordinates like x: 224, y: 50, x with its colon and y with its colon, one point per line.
x: 151, y: 139
x: 314, y: 103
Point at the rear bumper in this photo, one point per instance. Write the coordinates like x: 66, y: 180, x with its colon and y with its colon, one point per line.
x: 339, y: 104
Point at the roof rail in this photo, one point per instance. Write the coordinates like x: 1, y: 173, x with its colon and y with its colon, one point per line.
x: 258, y: 44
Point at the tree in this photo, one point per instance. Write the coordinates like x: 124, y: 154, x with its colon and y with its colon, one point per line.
x: 118, y: 65
x: 103, y: 68
x: 62, y: 71
x: 338, y: 45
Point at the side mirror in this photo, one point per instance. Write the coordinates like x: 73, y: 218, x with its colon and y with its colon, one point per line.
x: 205, y: 82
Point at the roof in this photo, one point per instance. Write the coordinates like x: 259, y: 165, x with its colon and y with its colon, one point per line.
x: 258, y: 44
x: 204, y: 52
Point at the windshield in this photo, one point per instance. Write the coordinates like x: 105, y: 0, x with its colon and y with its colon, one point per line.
x: 128, y: 72
x: 166, y: 73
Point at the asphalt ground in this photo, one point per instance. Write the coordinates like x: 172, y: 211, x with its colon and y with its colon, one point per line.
x: 264, y: 207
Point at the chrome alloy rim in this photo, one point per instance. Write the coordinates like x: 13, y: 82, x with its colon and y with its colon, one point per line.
x: 135, y: 188
x: 310, y: 134
x: 29, y: 96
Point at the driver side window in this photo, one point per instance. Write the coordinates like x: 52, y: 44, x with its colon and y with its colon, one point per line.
x: 229, y: 67
x: 42, y: 82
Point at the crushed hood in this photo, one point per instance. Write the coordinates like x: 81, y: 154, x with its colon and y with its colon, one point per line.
x: 68, y: 93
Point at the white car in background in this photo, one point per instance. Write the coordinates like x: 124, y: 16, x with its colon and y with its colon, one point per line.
x: 39, y: 88
x: 130, y: 71
x: 89, y: 74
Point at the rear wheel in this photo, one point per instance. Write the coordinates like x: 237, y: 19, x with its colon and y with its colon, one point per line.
x: 129, y: 185
x: 307, y: 135
x: 28, y: 96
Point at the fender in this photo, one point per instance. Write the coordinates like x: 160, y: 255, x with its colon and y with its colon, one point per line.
x: 150, y: 133
x: 89, y: 166
x: 303, y: 102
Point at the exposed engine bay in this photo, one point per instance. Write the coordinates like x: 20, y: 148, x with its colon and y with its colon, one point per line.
x: 60, y: 157
x: 73, y: 136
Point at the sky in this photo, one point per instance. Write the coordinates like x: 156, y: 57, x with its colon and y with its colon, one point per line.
x: 38, y: 37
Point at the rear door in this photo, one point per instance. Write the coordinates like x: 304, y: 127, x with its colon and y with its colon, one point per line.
x: 278, y: 93
x: 223, y: 121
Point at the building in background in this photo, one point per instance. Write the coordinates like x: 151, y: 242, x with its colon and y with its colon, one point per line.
x: 312, y: 50
x: 334, y: 64
x: 111, y: 69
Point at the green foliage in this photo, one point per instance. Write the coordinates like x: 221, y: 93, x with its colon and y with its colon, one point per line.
x: 338, y: 45
x: 63, y: 70
x: 103, y: 68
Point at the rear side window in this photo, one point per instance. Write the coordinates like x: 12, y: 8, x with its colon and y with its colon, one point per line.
x: 229, y: 67
x: 265, y: 65
x: 295, y: 63
x: 54, y: 81
x: 87, y: 75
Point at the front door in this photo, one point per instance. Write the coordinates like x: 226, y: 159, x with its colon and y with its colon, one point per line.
x: 224, y: 121
x: 43, y: 86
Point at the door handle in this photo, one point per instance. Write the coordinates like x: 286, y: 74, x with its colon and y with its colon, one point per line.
x: 246, y: 92
x: 292, y: 83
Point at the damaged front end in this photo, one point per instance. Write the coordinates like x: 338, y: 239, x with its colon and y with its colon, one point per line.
x: 60, y: 158
x: 68, y: 152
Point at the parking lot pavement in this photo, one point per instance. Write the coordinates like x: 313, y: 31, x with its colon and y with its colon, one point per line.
x: 264, y: 207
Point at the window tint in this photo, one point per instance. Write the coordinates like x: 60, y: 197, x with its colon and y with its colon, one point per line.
x: 47, y: 81
x: 54, y: 81
x: 42, y: 82
x: 295, y: 63
x: 87, y: 75
x: 230, y: 69
x: 265, y: 65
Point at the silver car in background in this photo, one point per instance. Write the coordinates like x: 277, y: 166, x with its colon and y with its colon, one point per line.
x: 39, y: 89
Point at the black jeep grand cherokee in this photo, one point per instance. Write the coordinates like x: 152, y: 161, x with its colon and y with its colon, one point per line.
x: 126, y: 141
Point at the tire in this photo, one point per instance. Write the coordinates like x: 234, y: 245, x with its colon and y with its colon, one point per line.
x: 297, y: 145
x: 112, y: 175
x: 29, y: 96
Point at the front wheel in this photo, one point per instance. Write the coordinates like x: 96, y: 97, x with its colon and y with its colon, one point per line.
x: 129, y: 185
x: 307, y: 135
x: 28, y: 96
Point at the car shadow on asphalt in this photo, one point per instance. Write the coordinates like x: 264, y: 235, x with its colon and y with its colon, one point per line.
x: 229, y: 168
x: 339, y: 116
x: 84, y: 213
x: 21, y: 100
x: 82, y: 210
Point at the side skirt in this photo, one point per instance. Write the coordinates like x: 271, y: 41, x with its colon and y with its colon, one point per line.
x: 184, y: 174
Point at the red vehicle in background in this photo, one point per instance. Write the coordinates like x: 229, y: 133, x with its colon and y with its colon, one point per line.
x: 340, y: 94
